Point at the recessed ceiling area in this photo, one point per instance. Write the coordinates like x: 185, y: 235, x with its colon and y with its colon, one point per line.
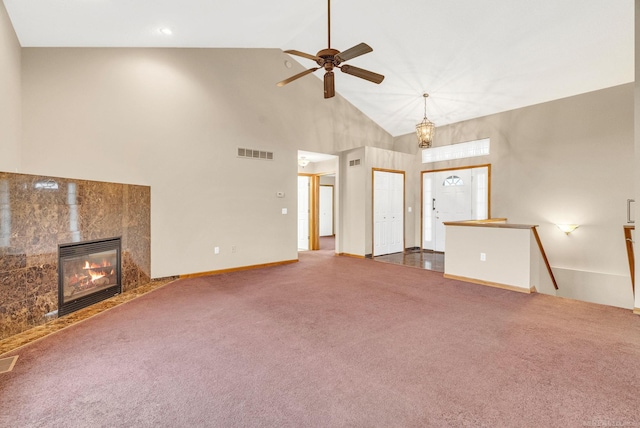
x: 473, y: 58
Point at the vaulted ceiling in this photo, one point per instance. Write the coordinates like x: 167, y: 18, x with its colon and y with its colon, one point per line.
x: 473, y: 57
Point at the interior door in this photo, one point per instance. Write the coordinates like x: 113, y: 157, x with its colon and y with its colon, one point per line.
x: 396, y: 208
x: 326, y: 210
x: 303, y: 212
x: 388, y: 212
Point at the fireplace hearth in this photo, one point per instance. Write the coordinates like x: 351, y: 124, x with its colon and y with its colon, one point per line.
x: 89, y: 272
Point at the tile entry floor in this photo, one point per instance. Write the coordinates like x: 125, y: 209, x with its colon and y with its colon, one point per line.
x: 422, y: 259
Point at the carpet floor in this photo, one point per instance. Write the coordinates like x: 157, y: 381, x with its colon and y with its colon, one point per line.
x: 332, y: 342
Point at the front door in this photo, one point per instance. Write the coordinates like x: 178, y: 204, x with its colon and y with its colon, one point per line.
x: 452, y: 195
x: 453, y: 201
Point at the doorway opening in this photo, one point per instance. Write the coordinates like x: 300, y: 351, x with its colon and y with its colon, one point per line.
x: 453, y: 195
x: 317, y: 201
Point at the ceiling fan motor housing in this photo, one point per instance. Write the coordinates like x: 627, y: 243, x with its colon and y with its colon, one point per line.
x: 328, y: 58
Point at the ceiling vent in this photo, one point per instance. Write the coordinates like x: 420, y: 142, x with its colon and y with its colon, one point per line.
x: 354, y: 162
x: 255, y: 154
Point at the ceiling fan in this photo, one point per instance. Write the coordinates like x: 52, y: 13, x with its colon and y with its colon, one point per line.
x: 331, y: 58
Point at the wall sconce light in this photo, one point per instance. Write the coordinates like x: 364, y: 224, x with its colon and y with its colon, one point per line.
x: 303, y: 161
x: 567, y: 228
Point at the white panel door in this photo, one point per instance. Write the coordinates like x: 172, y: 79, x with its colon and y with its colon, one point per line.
x: 303, y: 212
x: 453, y: 201
x: 396, y: 209
x: 326, y: 210
x: 388, y: 212
x: 380, y: 208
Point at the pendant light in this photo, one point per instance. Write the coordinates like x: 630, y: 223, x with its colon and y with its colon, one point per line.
x: 425, y: 129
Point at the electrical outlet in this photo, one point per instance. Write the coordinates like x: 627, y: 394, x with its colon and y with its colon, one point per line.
x: 483, y: 257
x: 216, y: 250
x: 233, y: 248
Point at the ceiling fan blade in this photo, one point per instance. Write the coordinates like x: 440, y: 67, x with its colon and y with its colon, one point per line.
x: 304, y: 55
x: 362, y: 73
x: 353, y: 52
x: 297, y: 76
x: 329, y: 84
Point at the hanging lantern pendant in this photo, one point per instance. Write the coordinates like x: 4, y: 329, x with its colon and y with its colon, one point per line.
x: 425, y: 129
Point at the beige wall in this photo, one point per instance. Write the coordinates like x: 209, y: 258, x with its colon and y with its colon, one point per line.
x: 173, y: 119
x: 351, y: 180
x: 10, y: 98
x: 508, y: 256
x: 565, y: 161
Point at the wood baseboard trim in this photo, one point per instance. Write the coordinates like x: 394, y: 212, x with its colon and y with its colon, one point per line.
x: 355, y: 256
x: 636, y: 311
x: 237, y: 269
x: 490, y: 284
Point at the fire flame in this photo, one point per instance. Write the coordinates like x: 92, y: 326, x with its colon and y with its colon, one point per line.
x: 105, y: 263
x: 95, y: 276
x: 99, y: 272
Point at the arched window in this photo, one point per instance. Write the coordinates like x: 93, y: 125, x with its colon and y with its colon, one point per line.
x: 453, y: 180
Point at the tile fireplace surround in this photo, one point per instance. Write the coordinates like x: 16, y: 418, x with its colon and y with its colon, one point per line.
x: 37, y: 213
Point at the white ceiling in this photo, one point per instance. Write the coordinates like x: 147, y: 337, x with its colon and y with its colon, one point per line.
x: 473, y: 57
x: 314, y: 157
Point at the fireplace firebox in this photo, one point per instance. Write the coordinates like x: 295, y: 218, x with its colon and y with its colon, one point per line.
x: 88, y: 272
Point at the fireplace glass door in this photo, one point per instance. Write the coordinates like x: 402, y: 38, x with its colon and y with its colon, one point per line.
x: 89, y: 272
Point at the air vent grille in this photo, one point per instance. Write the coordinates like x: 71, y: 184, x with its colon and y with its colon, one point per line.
x: 254, y: 154
x: 354, y: 162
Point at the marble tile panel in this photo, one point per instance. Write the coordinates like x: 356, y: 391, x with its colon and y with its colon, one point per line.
x: 139, y: 250
x: 12, y: 287
x: 41, y: 280
x: 40, y: 305
x: 44, y: 259
x: 33, y: 189
x: 14, y: 318
x: 11, y: 259
x: 33, y: 225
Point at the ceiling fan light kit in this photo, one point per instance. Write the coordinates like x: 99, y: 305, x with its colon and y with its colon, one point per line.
x: 332, y: 58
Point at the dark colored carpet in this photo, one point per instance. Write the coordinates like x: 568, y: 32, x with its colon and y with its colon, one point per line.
x: 332, y: 342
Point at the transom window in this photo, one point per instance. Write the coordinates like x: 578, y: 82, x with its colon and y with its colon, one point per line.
x: 456, y: 151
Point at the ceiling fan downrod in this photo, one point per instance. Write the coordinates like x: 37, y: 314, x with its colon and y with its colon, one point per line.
x: 329, y: 24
